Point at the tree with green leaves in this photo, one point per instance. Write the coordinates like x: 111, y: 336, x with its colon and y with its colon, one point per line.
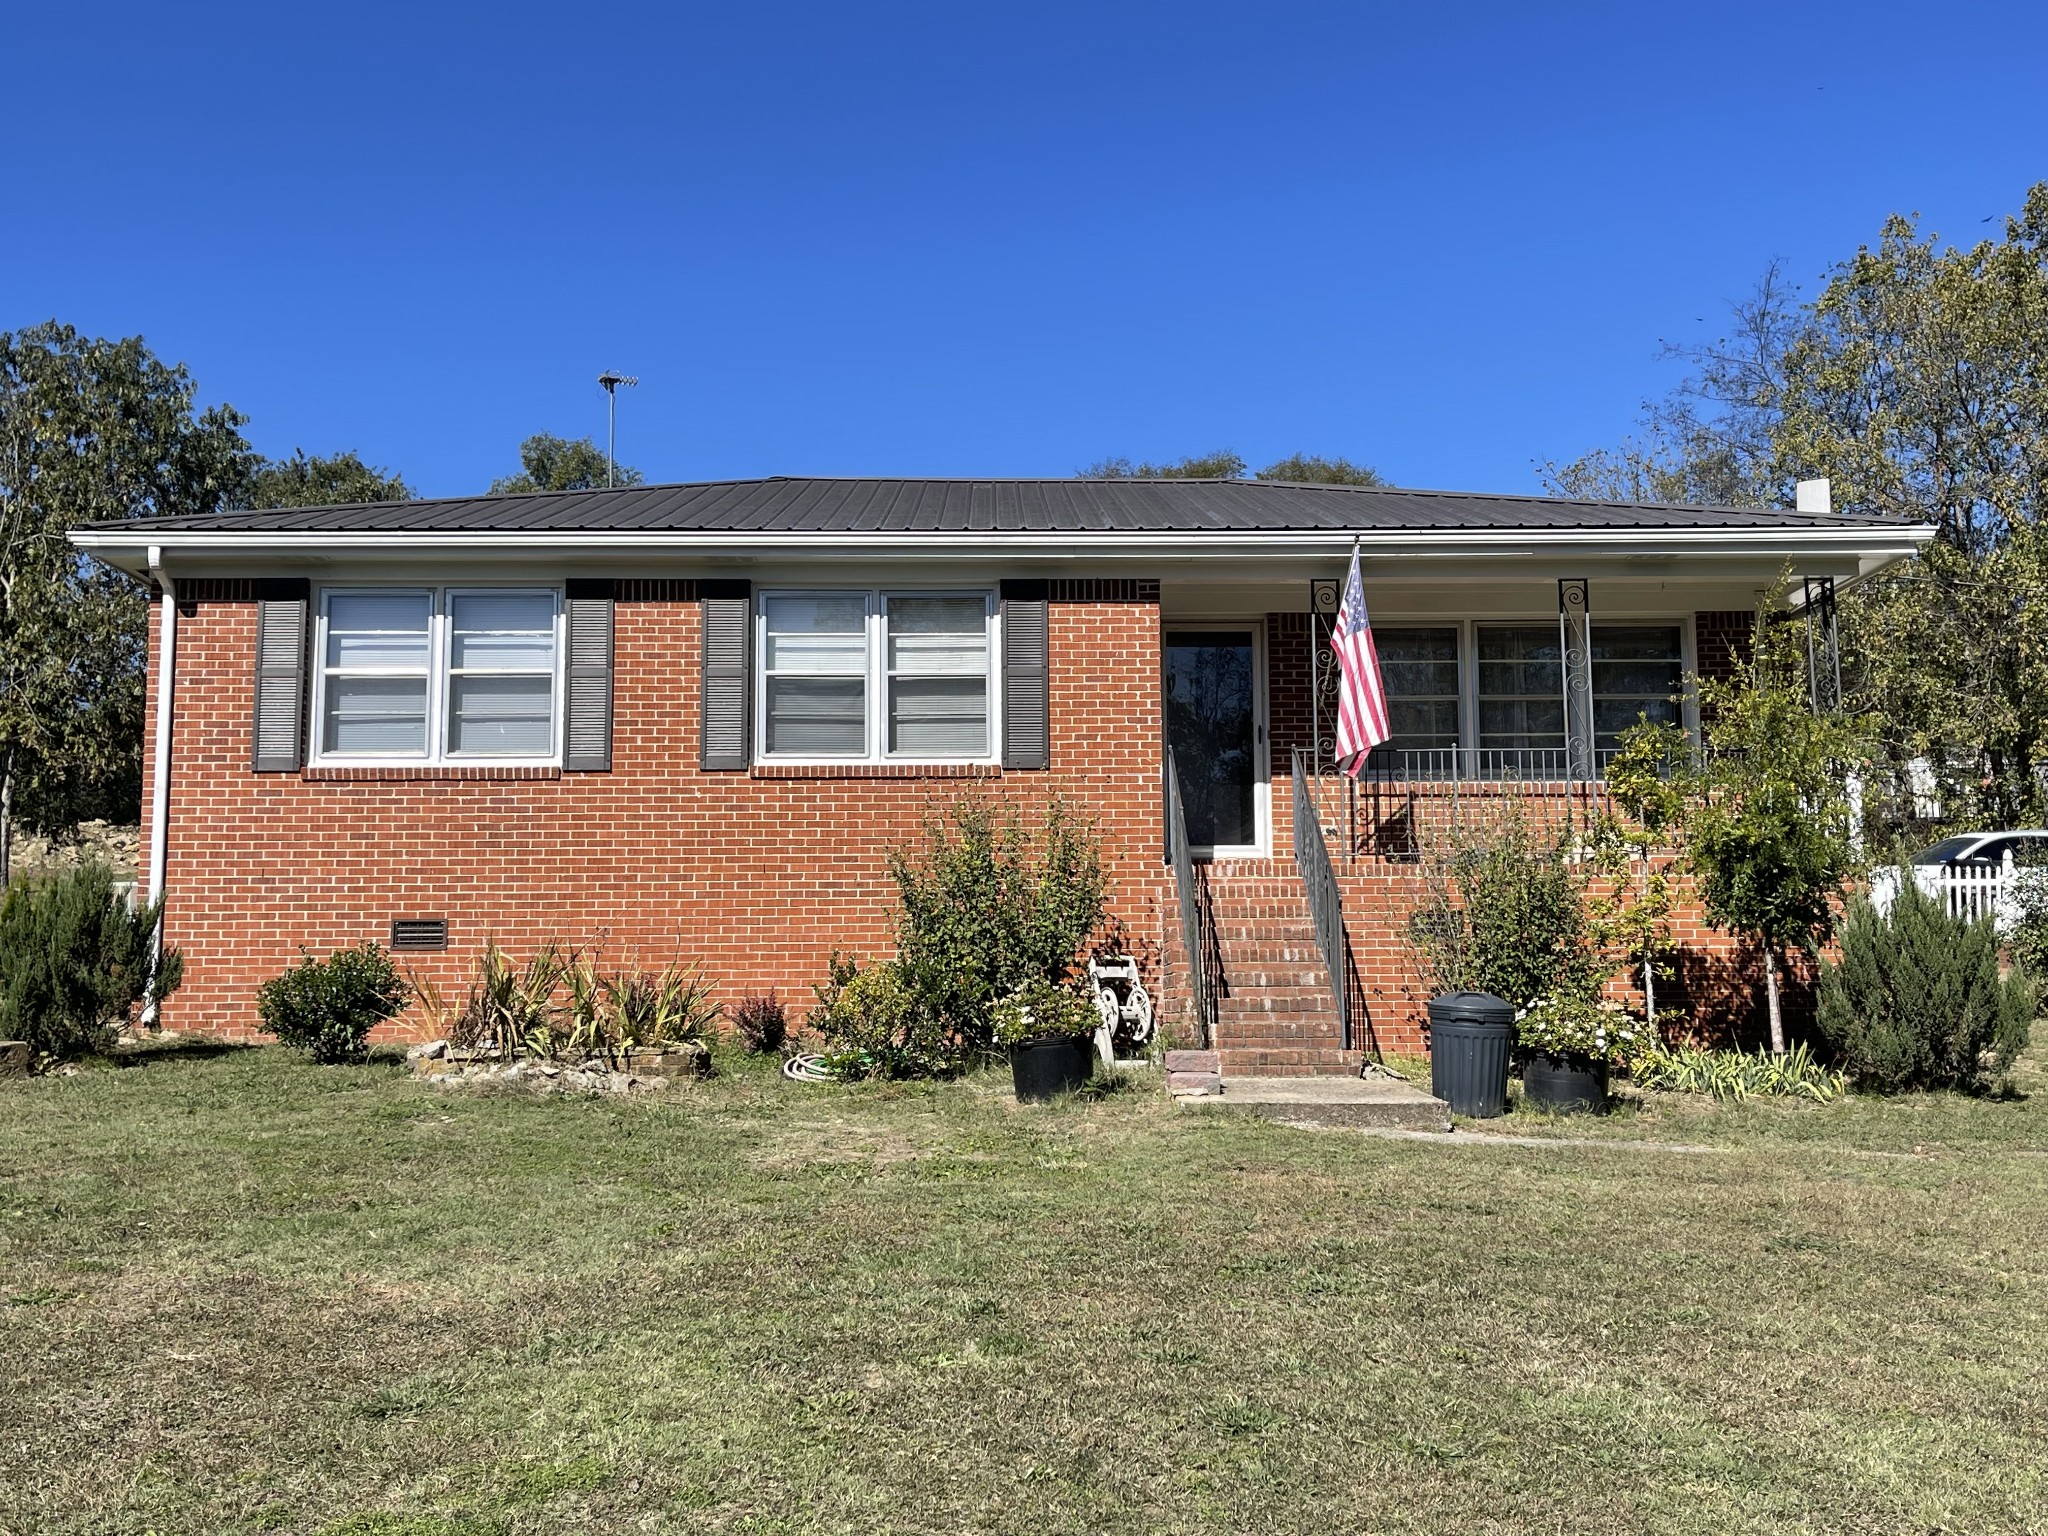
x: 1920, y: 389
x: 1917, y: 383
x: 309, y: 480
x: 90, y: 430
x: 1313, y: 469
x: 1220, y: 465
x: 1629, y: 898
x: 1768, y: 831
x: 1223, y: 464
x: 77, y: 966
x: 550, y: 463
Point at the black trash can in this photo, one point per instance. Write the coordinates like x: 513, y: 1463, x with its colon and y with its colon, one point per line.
x: 1470, y: 1037
x: 1045, y: 1068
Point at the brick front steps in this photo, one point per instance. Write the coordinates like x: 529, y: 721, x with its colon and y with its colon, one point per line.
x: 1274, y: 1013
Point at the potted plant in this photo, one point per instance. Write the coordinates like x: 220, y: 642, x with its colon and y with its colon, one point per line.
x: 1567, y: 1042
x: 1048, y: 1031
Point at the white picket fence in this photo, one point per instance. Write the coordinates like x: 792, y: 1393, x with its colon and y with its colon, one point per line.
x: 1969, y: 891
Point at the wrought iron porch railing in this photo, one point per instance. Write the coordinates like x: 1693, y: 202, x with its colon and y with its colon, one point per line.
x: 1404, y: 800
x: 1319, y: 885
x: 1483, y: 765
x: 1189, y: 895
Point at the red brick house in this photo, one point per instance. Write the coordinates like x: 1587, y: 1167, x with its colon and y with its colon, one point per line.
x: 692, y: 719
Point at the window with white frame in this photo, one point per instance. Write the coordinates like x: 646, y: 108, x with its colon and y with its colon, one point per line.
x: 1637, y: 671
x: 1521, y: 687
x: 1419, y: 672
x: 875, y: 675
x: 438, y: 674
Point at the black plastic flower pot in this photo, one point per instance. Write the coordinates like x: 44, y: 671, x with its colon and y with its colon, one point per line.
x: 1051, y: 1065
x: 1470, y: 1036
x: 1565, y: 1085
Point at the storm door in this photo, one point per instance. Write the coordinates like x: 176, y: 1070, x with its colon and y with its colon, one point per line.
x: 1215, y: 723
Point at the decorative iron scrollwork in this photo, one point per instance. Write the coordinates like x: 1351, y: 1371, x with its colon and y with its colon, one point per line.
x: 1575, y: 640
x: 1823, y: 646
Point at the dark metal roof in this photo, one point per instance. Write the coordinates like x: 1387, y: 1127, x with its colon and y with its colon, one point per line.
x: 787, y: 505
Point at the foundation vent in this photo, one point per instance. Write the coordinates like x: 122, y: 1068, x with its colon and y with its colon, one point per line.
x: 419, y: 933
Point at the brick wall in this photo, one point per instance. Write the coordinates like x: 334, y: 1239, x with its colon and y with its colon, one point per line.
x: 759, y: 875
x: 1290, y: 712
x: 1721, y: 640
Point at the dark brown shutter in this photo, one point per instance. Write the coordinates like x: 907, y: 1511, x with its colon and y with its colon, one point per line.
x: 587, y: 735
x: 278, y: 739
x: 1027, y: 702
x: 728, y: 609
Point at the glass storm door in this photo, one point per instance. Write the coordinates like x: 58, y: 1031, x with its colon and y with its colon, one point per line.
x: 1214, y: 704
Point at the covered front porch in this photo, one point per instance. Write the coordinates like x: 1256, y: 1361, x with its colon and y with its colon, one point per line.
x: 1527, y: 682
x: 1296, y: 882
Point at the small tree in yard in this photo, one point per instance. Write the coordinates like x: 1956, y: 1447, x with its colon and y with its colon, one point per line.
x: 1768, y: 835
x: 1629, y: 899
x: 1919, y: 1000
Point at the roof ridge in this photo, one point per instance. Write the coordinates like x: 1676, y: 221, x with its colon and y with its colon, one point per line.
x: 935, y: 504
x: 1520, y: 498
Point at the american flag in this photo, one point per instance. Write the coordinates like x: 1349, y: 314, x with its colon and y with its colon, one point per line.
x: 1361, y: 700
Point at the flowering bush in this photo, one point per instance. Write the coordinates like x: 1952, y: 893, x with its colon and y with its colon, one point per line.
x: 1039, y: 1010
x: 1565, y: 1025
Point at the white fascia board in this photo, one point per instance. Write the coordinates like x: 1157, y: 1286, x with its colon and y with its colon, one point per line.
x: 1882, y: 543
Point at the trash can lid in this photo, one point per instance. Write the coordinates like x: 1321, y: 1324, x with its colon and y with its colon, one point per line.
x: 1472, y: 1007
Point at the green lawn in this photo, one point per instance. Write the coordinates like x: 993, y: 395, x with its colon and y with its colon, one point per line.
x: 243, y: 1293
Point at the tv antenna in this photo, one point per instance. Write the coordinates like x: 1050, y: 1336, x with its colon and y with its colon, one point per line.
x: 611, y: 382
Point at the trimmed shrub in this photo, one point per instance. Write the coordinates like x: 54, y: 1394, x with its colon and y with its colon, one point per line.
x: 761, y: 1023
x: 74, y: 962
x: 1917, y: 999
x: 327, y: 1008
x: 990, y: 904
x: 1505, y: 914
x: 874, y: 1026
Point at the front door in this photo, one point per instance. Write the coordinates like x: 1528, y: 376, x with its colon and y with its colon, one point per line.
x: 1215, y: 723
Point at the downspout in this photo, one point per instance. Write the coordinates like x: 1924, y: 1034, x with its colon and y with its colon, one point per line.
x: 160, y: 774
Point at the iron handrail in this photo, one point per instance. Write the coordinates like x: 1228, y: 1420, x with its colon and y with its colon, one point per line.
x: 1319, y: 884
x: 1194, y: 935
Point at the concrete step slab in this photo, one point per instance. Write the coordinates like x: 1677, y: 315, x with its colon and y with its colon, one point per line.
x: 1345, y: 1101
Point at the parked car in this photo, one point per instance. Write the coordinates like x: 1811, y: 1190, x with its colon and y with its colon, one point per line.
x: 1971, y: 869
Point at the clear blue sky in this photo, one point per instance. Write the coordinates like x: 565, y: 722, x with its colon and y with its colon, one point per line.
x: 969, y: 239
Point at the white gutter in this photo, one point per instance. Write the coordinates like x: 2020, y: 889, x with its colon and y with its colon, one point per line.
x: 160, y: 773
